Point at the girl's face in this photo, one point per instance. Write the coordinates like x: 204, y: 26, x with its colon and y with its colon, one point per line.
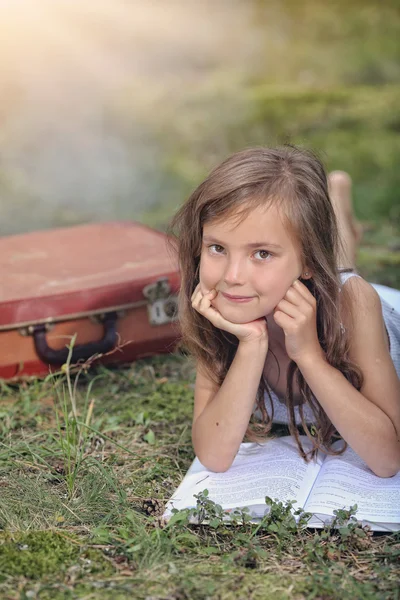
x: 251, y: 264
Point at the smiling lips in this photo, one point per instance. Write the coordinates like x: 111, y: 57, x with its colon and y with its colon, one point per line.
x: 240, y: 299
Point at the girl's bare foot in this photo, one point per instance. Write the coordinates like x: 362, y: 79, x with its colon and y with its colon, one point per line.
x: 350, y: 230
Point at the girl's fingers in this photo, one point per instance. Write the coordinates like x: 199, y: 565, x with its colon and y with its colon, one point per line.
x: 205, y: 302
x: 301, y: 289
x: 294, y: 296
x: 206, y: 309
x: 296, y: 306
x: 196, y: 291
x: 289, y: 308
x: 196, y: 298
x: 283, y: 320
x: 201, y: 302
x: 300, y: 296
x: 197, y: 295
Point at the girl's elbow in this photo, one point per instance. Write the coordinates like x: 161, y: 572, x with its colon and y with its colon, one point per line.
x: 216, y: 461
x: 385, y: 473
x: 387, y: 470
x: 214, y: 464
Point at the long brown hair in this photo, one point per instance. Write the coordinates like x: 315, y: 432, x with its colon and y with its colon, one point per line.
x: 296, y: 179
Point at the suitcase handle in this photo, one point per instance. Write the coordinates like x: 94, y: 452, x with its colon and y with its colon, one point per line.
x: 81, y: 351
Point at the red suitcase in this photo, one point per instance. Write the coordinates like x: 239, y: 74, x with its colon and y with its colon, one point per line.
x: 111, y: 284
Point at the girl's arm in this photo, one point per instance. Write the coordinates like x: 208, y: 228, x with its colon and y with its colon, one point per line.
x: 221, y: 415
x: 369, y: 419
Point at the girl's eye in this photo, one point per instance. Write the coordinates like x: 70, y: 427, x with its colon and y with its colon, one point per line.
x: 216, y: 249
x: 262, y: 254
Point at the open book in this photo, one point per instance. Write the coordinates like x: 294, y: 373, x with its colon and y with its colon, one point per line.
x: 276, y: 469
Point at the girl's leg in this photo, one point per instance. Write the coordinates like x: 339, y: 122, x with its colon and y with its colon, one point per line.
x: 350, y: 230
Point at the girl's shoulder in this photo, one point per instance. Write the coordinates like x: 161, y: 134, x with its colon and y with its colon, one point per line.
x: 362, y: 315
x: 357, y: 288
x: 359, y: 300
x: 371, y: 296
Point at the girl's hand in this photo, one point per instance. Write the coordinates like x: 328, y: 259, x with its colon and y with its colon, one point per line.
x: 245, y: 332
x: 296, y: 313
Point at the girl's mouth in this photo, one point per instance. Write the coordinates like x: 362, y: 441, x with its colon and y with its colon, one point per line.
x: 239, y: 299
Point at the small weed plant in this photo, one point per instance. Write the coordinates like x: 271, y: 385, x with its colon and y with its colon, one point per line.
x: 73, y: 423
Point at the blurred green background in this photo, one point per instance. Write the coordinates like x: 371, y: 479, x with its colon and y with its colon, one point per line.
x: 123, y: 108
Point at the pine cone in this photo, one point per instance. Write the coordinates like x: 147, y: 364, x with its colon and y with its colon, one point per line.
x: 152, y: 506
x: 159, y: 522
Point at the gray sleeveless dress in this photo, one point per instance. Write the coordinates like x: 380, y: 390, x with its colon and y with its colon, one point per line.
x: 390, y: 299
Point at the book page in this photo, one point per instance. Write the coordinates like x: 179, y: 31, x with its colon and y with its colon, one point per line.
x: 346, y: 480
x: 273, y: 469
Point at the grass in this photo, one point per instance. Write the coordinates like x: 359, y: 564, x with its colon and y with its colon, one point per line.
x: 102, y: 536
x: 86, y: 465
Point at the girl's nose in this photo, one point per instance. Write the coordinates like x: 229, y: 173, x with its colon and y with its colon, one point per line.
x: 234, y: 273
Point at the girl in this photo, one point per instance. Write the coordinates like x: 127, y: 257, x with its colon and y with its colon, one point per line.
x: 275, y: 315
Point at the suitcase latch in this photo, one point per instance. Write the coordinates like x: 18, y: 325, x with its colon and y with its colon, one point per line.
x: 162, y: 306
